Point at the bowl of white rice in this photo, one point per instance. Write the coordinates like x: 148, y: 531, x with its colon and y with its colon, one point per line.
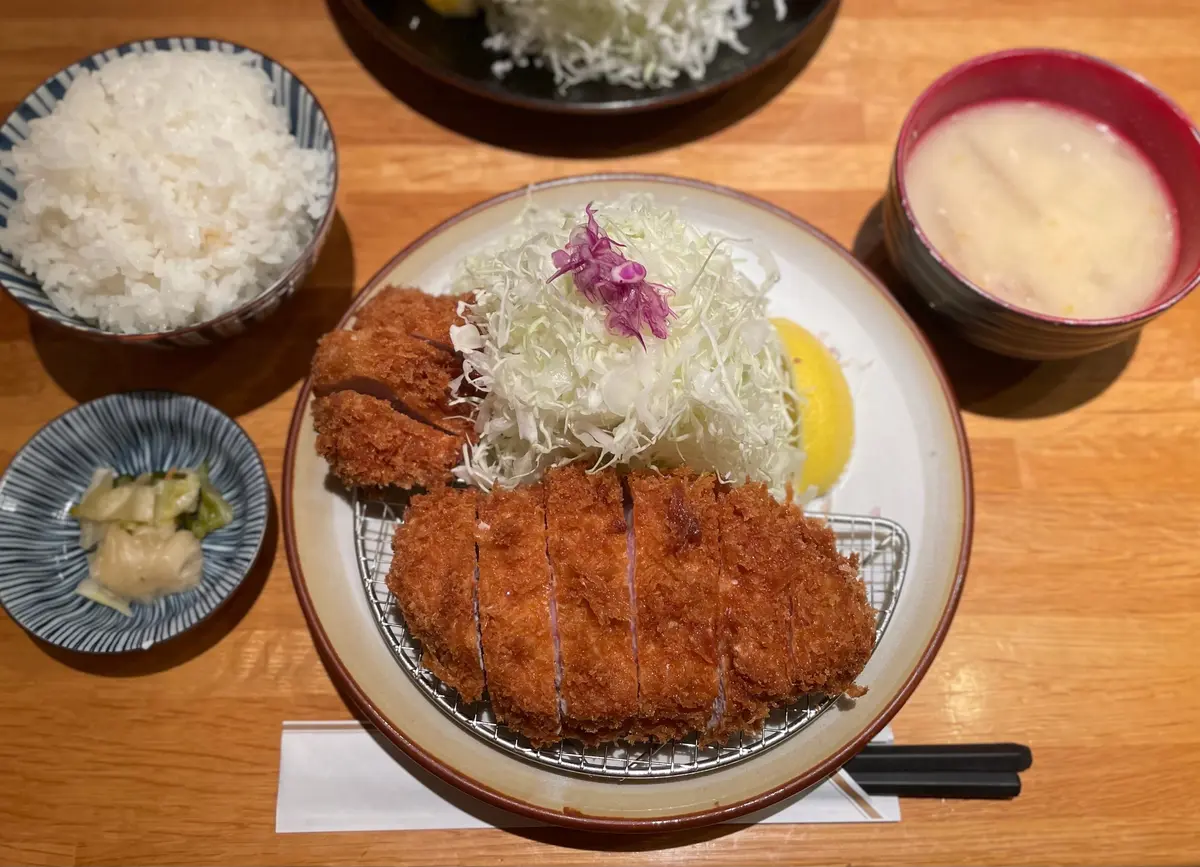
x: 168, y: 192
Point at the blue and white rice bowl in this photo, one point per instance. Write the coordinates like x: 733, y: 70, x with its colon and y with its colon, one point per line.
x: 307, y: 122
x: 41, y: 562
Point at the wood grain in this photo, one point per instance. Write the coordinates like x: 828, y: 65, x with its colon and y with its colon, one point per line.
x: 1077, y: 631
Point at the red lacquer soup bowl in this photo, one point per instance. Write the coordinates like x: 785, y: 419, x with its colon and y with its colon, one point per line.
x: 1114, y: 96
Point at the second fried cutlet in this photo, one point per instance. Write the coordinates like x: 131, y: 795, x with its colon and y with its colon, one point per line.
x: 514, y: 612
x: 414, y: 376
x: 676, y: 563
x: 433, y: 579
x: 756, y: 606
x: 413, y: 312
x: 586, y: 541
x: 367, y: 442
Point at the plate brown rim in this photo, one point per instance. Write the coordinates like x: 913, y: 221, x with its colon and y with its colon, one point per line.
x: 383, y: 36
x: 575, y: 819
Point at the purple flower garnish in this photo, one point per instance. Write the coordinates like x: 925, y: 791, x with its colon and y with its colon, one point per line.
x: 628, y: 272
x: 605, y: 276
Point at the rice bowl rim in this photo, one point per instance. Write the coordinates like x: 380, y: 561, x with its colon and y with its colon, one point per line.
x: 234, y: 314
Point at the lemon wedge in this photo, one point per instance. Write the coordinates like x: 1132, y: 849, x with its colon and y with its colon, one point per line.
x: 453, y: 8
x: 826, y: 409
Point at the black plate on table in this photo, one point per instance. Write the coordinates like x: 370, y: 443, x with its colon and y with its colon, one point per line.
x: 452, y: 51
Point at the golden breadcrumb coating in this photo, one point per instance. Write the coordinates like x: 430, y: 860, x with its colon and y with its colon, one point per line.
x: 677, y: 560
x: 514, y: 612
x: 432, y: 577
x: 412, y: 311
x: 367, y: 442
x: 389, y: 365
x: 756, y: 605
x: 833, y: 625
x: 586, y: 541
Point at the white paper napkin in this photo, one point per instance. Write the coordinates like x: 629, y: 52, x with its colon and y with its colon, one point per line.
x: 343, y: 776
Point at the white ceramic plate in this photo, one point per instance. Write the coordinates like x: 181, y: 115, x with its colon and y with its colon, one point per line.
x: 910, y: 464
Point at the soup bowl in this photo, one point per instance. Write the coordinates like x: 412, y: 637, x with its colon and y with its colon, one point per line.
x: 1123, y: 101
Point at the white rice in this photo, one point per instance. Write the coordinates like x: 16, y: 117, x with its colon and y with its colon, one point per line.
x: 163, y: 191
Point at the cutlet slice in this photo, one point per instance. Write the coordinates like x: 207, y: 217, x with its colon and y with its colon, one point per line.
x: 833, y: 624
x: 586, y: 542
x: 755, y: 598
x: 433, y: 579
x: 515, y: 597
x: 676, y: 566
x: 414, y: 376
x: 413, y: 312
x: 367, y: 442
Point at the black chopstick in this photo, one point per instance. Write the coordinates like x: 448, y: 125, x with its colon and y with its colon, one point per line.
x: 942, y: 770
x: 943, y: 757
x: 941, y: 784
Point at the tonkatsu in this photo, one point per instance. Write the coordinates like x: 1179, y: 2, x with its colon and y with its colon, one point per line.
x: 587, y: 542
x: 516, y: 613
x: 434, y: 578
x: 407, y: 372
x: 755, y: 599
x: 643, y: 607
x: 384, y: 409
x: 676, y: 544
x: 367, y: 442
x: 413, y: 312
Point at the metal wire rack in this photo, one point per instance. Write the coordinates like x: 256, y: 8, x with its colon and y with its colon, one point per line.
x: 882, y: 547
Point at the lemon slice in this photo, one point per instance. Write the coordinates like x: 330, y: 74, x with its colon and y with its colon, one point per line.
x: 826, y: 409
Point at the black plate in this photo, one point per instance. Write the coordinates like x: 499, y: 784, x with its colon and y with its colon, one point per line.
x: 451, y: 50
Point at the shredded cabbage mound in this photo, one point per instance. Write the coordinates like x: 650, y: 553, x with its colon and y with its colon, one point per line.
x: 558, y: 386
x: 637, y: 43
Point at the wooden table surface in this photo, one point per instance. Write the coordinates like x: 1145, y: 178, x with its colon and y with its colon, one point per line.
x: 1079, y: 623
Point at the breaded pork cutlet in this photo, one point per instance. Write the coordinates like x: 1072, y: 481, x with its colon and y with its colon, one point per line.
x: 741, y: 603
x: 411, y: 311
x: 433, y: 577
x: 833, y: 625
x: 755, y: 598
x: 367, y: 442
x: 414, y: 376
x: 515, y: 598
x: 676, y: 563
x: 587, y: 543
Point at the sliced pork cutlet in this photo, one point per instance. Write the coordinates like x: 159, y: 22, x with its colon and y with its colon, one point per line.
x: 413, y: 312
x: 676, y: 564
x: 755, y: 598
x: 414, y: 376
x: 833, y: 624
x: 515, y: 613
x: 367, y: 442
x: 587, y: 544
x: 433, y: 579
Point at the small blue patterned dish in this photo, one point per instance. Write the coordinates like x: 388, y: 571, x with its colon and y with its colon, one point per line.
x: 307, y: 122
x: 41, y: 562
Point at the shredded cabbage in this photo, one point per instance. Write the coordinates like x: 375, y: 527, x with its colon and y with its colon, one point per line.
x: 635, y: 43
x: 557, y: 385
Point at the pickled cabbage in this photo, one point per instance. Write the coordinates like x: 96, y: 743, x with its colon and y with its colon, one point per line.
x: 143, y: 533
x: 212, y: 512
x: 148, y: 562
